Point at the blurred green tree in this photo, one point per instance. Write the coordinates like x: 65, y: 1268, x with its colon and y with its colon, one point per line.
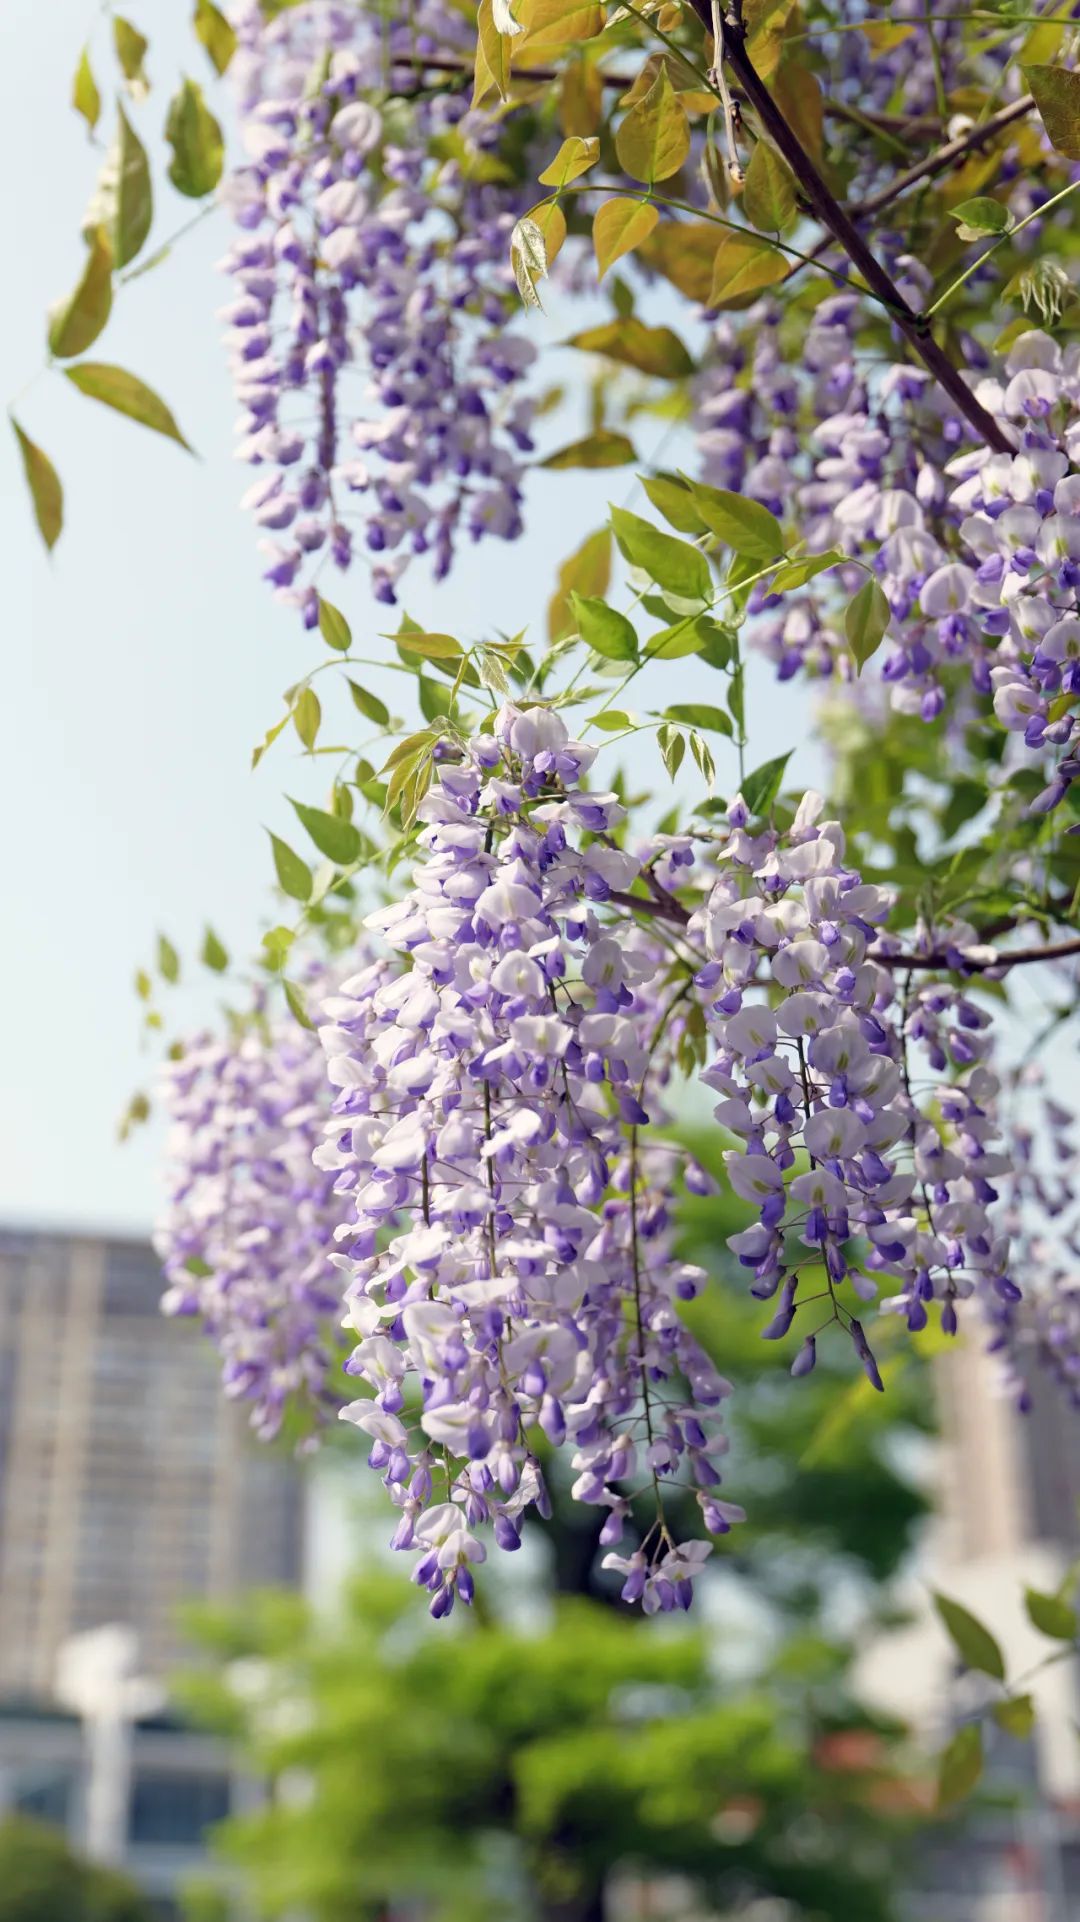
x: 496, y: 1769
x: 43, y: 1880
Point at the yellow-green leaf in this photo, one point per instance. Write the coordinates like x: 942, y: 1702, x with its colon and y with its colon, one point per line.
x: 769, y: 191
x: 215, y: 33
x: 742, y: 266
x: 1057, y: 97
x: 85, y: 95
x: 602, y: 449
x: 75, y: 323
x: 1051, y: 1615
x: 196, y: 140
x: 293, y: 874
x: 431, y: 647
x: 588, y: 570
x: 43, y: 481
x: 116, y: 388
x: 213, y: 954
x: 549, y: 24
x: 167, y: 959
x: 492, y: 55
x: 131, y: 48
x: 960, y: 1766
x: 307, y: 716
x: 1016, y: 1716
x: 337, y: 839
x: 652, y: 350
x: 797, y: 93
x: 528, y: 257
x: 122, y: 202
x: 744, y: 525
x: 975, y: 1645
x: 654, y: 136
x: 618, y: 227
x: 574, y: 158
x: 333, y: 627
x: 549, y: 219
x: 866, y: 621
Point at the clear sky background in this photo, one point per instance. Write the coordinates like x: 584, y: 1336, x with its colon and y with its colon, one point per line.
x: 144, y: 659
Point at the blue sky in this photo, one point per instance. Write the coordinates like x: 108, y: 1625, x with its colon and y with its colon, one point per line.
x: 146, y: 657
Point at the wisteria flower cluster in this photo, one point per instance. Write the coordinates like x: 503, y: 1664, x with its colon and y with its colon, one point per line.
x: 382, y: 391
x: 247, y: 1230
x: 840, y: 1146
x: 976, y: 552
x: 510, y: 1266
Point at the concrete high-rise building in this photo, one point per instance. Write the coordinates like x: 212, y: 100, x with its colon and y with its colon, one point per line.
x: 127, y: 1482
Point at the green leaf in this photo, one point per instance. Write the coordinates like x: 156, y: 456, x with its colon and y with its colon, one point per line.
x: 430, y: 647
x: 674, y: 565
x: 1050, y: 1614
x: 123, y: 202
x: 1057, y: 96
x: 333, y: 627
x: 610, y: 720
x: 268, y: 740
x: 128, y: 395
x: 703, y: 756
x: 694, y: 634
x: 369, y: 705
x: 307, y: 716
x: 75, y: 323
x: 744, y: 525
x: 981, y: 218
x: 975, y: 1644
x: 672, y: 746
x: 297, y: 1004
x: 196, y: 140
x: 213, y: 954
x: 618, y: 227
x: 674, y: 499
x: 697, y: 714
x: 43, y: 481
x: 652, y: 350
x: 131, y: 48
x: 335, y: 838
x: 866, y: 620
x: 760, y: 789
x: 605, y: 630
x: 602, y: 449
x: 294, y: 875
x: 743, y: 265
x: 167, y: 959
x: 769, y: 190
x: 960, y: 1766
x: 576, y: 155
x: 796, y: 572
x: 215, y: 33
x: 1016, y: 1716
x: 85, y: 96
x: 529, y: 259
x: 588, y: 569
x: 653, y: 138
x: 435, y: 700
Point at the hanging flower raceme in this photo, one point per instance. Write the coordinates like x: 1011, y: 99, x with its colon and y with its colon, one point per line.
x: 247, y: 1231
x: 509, y: 1253
x: 861, y: 1173
x: 368, y: 332
x: 1041, y: 1331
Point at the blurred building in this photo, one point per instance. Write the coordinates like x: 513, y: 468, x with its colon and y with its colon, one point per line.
x: 128, y: 1485
x: 1007, y: 1519
x: 127, y: 1481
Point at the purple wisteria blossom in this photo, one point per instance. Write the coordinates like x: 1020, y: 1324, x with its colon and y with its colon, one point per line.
x: 509, y: 1246
x: 381, y: 389
x: 247, y: 1230
x: 863, y: 1174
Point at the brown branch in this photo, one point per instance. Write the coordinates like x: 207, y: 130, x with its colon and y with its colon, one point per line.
x: 826, y: 208
x: 945, y: 157
x: 940, y: 961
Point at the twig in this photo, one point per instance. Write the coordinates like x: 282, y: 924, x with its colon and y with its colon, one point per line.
x: 943, y: 961
x: 826, y: 207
